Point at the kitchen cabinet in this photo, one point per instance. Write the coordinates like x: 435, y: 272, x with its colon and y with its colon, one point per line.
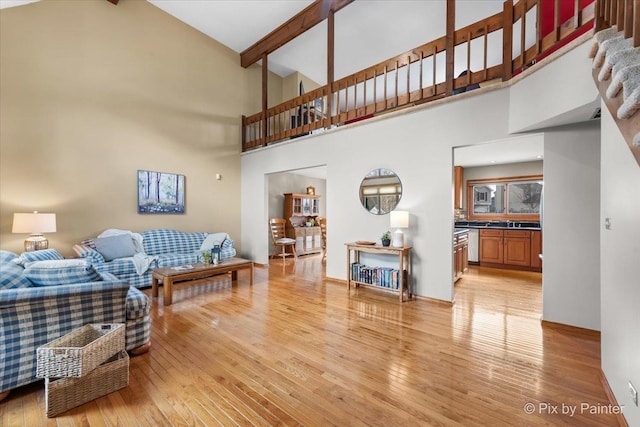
x: 491, y: 246
x: 536, y: 249
x: 460, y: 254
x: 458, y: 175
x: 509, y: 248
x: 517, y: 247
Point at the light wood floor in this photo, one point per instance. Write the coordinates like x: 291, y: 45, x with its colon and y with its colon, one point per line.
x: 298, y: 350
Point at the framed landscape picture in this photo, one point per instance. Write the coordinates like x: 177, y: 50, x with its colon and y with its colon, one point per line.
x: 160, y: 193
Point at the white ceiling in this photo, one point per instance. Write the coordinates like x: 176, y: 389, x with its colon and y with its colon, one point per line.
x: 367, y: 32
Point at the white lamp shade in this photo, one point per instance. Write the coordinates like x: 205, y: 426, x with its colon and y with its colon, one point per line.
x: 399, y: 219
x: 34, y: 223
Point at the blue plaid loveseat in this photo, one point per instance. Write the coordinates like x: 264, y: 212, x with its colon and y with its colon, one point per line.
x: 164, y: 248
x: 31, y: 316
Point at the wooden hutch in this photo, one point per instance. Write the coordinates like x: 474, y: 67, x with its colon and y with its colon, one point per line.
x: 300, y: 209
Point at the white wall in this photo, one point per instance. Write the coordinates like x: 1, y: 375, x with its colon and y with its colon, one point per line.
x: 418, y: 147
x: 620, y: 255
x: 561, y: 92
x: 571, y: 269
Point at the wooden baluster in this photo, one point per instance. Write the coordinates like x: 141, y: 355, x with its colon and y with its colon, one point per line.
x: 346, y: 99
x: 355, y: 95
x: 628, y: 19
x: 636, y: 24
x: 244, y: 131
x: 523, y: 25
x: 486, y: 41
x: 385, y: 86
x: 396, y: 86
x: 435, y: 87
x: 365, y: 94
x: 556, y: 20
x: 375, y: 90
x: 421, y: 71
x: 408, y: 78
x: 614, y: 12
x: 469, y: 58
x: 538, y: 27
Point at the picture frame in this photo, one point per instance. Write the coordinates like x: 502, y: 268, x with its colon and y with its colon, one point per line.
x: 160, y: 192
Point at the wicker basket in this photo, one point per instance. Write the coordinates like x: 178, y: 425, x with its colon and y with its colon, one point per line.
x: 66, y: 393
x: 81, y: 351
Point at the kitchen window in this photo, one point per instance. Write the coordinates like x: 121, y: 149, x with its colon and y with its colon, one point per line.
x: 516, y: 198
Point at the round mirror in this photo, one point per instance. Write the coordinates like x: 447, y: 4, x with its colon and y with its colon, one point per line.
x: 380, y: 191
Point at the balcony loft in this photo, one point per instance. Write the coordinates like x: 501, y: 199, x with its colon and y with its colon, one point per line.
x: 490, y: 51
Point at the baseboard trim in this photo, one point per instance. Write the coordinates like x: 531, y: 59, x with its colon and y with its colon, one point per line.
x: 571, y: 328
x: 622, y: 421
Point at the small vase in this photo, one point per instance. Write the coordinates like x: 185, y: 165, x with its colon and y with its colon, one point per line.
x: 386, y: 242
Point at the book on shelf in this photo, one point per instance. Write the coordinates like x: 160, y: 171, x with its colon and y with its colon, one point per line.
x: 383, y: 277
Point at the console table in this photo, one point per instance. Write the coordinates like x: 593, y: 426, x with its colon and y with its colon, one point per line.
x: 381, y: 278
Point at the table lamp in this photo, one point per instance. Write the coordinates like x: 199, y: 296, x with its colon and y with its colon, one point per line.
x: 35, y: 224
x: 399, y: 220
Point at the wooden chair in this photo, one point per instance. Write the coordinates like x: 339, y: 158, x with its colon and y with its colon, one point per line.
x: 323, y: 234
x: 280, y: 240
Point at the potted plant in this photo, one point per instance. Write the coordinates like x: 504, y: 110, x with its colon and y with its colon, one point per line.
x: 386, y: 238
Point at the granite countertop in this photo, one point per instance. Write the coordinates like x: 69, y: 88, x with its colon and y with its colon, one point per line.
x: 499, y: 225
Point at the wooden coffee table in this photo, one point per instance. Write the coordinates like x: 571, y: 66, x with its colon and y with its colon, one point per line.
x: 171, y: 275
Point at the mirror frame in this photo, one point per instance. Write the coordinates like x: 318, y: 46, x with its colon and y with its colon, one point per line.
x: 382, y: 186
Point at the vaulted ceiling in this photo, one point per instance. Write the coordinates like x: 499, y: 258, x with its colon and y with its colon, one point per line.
x: 366, y: 31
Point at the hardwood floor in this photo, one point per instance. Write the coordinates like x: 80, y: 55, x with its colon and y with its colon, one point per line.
x: 298, y: 350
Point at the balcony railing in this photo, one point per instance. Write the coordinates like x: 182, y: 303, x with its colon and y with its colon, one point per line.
x: 495, y: 48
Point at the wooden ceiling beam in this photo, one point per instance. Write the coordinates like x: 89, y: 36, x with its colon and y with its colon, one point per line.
x: 311, y: 16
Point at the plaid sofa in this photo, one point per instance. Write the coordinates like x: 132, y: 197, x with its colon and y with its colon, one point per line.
x: 169, y: 248
x: 31, y: 316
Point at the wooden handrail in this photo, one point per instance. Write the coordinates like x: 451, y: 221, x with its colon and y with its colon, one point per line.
x: 412, y: 77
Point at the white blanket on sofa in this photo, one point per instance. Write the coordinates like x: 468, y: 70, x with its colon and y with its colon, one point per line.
x: 140, y: 259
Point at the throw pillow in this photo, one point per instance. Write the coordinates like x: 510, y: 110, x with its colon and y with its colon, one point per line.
x: 211, y: 239
x: 42, y: 255
x: 113, y: 247
x: 52, y: 273
x: 11, y: 277
x: 6, y: 256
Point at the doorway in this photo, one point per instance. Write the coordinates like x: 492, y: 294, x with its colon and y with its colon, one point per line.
x: 520, y: 156
x: 298, y: 181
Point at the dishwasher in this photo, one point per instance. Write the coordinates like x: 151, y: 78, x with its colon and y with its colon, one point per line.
x: 474, y: 244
